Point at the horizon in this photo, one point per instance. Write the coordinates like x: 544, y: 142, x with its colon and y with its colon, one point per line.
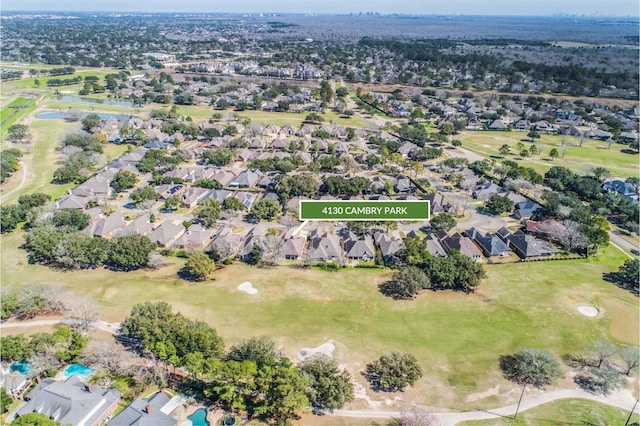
x: 587, y: 8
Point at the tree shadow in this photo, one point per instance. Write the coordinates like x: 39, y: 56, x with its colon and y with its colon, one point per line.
x: 391, y: 289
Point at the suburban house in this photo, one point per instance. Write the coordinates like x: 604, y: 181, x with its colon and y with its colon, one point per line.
x: 625, y: 189
x: 359, y: 248
x: 434, y: 247
x: 498, y: 125
x: 195, y: 238
x: 194, y: 195
x: 526, y: 210
x: 107, y: 226
x: 491, y: 245
x: 389, y: 246
x: 324, y: 247
x: 167, y: 233
x: 246, y: 245
x: 437, y: 203
x: 293, y: 248
x: 218, y: 195
x: 487, y: 189
x: 145, y: 412
x: 71, y: 402
x: 140, y: 226
x: 462, y: 244
x: 71, y: 202
x: 15, y: 383
x: 246, y: 179
x: 524, y: 245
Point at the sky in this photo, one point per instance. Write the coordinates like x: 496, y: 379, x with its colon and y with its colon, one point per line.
x: 423, y: 7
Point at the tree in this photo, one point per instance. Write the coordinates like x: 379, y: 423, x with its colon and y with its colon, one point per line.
x: 627, y: 276
x: 497, y: 204
x: 34, y: 419
x: 530, y: 367
x: 129, y: 252
x: 15, y: 348
x: 83, y: 313
x: 218, y: 157
x: 146, y: 193
x: 280, y: 393
x: 90, y: 121
x: 533, y: 134
x: 329, y: 387
x: 597, y: 231
x: 393, y: 372
x: 209, y: 212
x: 198, y: 266
x: 73, y: 218
x: 533, y: 150
x: 444, y: 221
x: 266, y: 209
x: 630, y: 355
x: 232, y: 203
x: 255, y: 255
x: 5, y: 401
x: 260, y: 350
x: 406, y: 283
x: 314, y: 118
x: 19, y: 132
x: 504, y: 150
x: 600, y: 351
x: 554, y: 153
x: 124, y: 180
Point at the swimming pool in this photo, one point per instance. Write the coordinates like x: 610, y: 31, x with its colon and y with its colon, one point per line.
x: 77, y: 370
x: 22, y: 367
x: 199, y: 418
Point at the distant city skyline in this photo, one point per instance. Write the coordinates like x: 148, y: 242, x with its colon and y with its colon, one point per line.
x: 421, y: 7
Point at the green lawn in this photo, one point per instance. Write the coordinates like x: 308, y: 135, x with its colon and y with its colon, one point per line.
x: 592, y: 153
x: 564, y: 412
x: 457, y: 338
x: 41, y: 159
x: 17, y: 102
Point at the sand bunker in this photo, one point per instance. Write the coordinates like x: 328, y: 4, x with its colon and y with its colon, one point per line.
x: 589, y: 311
x: 326, y: 349
x: 248, y: 288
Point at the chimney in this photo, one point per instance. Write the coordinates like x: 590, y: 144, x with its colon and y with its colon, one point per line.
x: 87, y: 388
x: 37, y: 379
x: 148, y: 409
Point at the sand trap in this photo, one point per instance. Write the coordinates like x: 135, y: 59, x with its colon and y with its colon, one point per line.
x: 589, y: 311
x: 326, y: 349
x: 247, y: 287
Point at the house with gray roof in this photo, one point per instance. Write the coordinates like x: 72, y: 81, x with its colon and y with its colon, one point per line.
x: 487, y: 189
x: 196, y: 237
x: 72, y: 202
x: 434, y: 247
x: 491, y: 245
x: 625, y: 189
x: 246, y: 179
x: 71, y: 402
x: 15, y: 383
x: 389, y: 246
x: 498, y: 125
x: 145, y: 412
x: 526, y: 209
x: 107, y: 226
x: 462, y: 244
x: 139, y: 226
x: 194, y: 195
x: 167, y: 233
x: 293, y: 248
x: 324, y: 247
x: 359, y: 248
x: 526, y: 246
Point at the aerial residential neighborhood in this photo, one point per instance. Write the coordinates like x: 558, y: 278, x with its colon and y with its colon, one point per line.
x: 159, y: 265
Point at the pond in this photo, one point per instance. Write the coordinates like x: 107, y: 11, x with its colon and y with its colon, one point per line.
x: 199, y: 418
x: 22, y: 367
x: 77, y: 370
x: 93, y: 101
x: 56, y: 115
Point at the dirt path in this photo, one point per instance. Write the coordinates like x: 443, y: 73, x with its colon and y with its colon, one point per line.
x: 25, y: 171
x: 112, y: 328
x: 622, y: 399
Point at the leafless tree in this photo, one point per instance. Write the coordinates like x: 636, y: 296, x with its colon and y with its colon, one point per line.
x: 39, y: 299
x: 630, y: 355
x: 228, y: 248
x: 414, y: 417
x: 156, y: 260
x: 600, y: 351
x: 271, y: 249
x: 110, y: 356
x: 83, y: 312
x: 572, y: 239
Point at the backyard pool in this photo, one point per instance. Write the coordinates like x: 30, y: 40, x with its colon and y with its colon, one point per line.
x: 22, y: 367
x: 77, y: 370
x: 199, y: 418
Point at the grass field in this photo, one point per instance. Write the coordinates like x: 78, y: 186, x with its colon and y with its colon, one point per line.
x: 41, y: 159
x: 17, y: 102
x: 456, y: 337
x: 592, y: 153
x: 564, y: 412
